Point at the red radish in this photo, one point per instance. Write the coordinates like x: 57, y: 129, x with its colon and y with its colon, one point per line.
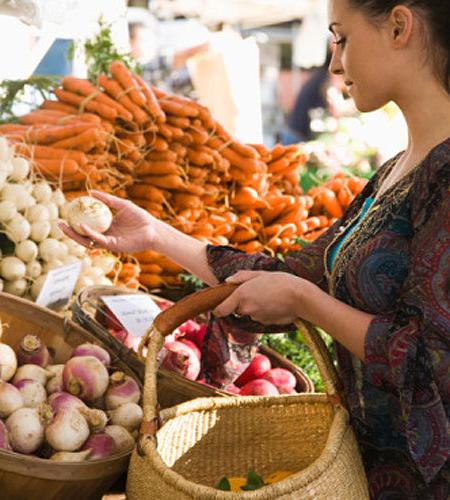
x: 68, y: 431
x: 258, y: 366
x: 70, y: 456
x: 32, y: 351
x: 128, y: 415
x: 95, y: 418
x: 33, y: 372
x: 55, y: 384
x: 94, y: 350
x: 102, y: 445
x: 10, y: 399
x: 123, y: 439
x: 26, y: 430
x: 193, y: 346
x: 187, y: 327
x: 280, y: 377
x: 232, y: 388
x: 4, y: 437
x: 180, y: 358
x: 120, y: 335
x: 286, y: 389
x: 122, y: 389
x: 259, y: 387
x: 110, y: 320
x: 33, y: 393
x: 85, y: 377
x: 196, y: 335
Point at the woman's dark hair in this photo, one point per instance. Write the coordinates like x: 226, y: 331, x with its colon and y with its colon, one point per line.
x: 435, y: 14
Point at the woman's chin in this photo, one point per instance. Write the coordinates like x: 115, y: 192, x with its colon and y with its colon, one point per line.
x: 368, y: 105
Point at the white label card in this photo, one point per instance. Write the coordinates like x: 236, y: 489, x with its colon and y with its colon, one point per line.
x: 58, y: 286
x: 136, y: 312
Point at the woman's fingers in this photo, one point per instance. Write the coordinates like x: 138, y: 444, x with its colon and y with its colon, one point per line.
x: 74, y: 235
x: 98, y: 238
x: 243, y: 276
x: 228, y: 306
x: 111, y: 201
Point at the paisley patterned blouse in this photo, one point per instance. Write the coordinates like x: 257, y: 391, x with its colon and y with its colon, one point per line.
x: 396, y: 266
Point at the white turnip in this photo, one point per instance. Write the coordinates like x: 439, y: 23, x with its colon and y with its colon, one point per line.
x: 55, y: 384
x: 68, y: 431
x: 102, y: 445
x: 10, y: 399
x: 85, y: 377
x: 26, y: 430
x: 8, y: 360
x: 129, y: 415
x: 123, y: 439
x: 32, y: 351
x: 89, y: 349
x: 122, y: 389
x: 32, y: 392
x: 32, y: 372
x: 90, y: 212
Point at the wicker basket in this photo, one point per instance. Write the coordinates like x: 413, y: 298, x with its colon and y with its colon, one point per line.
x: 26, y: 477
x: 172, y: 387
x: 183, y: 451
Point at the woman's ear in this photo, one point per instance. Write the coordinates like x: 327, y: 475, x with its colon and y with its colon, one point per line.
x: 401, y: 23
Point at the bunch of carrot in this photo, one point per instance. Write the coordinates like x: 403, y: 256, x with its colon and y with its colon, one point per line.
x: 171, y: 157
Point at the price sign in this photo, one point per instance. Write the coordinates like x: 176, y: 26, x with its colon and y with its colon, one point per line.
x: 58, y: 286
x: 136, y: 312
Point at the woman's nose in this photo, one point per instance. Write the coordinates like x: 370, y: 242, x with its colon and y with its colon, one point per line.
x: 335, y: 66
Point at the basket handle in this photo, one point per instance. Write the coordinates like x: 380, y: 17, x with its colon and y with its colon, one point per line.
x: 190, y: 306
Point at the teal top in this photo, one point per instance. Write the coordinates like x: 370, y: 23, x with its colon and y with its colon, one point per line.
x: 332, y: 255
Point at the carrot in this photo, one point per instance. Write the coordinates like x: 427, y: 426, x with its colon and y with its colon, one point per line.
x: 84, y: 103
x: 313, y: 223
x: 151, y: 280
x: 59, y: 106
x: 178, y: 121
x: 165, y: 131
x: 192, y: 188
x: 177, y: 133
x: 147, y: 256
x: 224, y: 229
x: 330, y: 202
x: 252, y: 246
x: 53, y: 133
x: 261, y: 150
x: 335, y: 184
x: 151, y: 268
x: 244, y: 235
x: 187, y: 139
x: 278, y: 165
x: 49, y: 153
x: 244, y: 150
x: 179, y: 149
x: 151, y: 206
x: 157, y: 168
x: 185, y: 110
x: 356, y: 185
x: 156, y: 142
x: 345, y: 196
x: 147, y: 192
x: 115, y: 90
x: 199, y: 136
x: 244, y: 196
x: 126, y: 80
x: 162, y: 156
x: 185, y: 200
x: 247, y: 165
x: 85, y: 141
x: 56, y: 168
x: 152, y: 104
x: 87, y: 89
x: 170, y: 181
x: 169, y: 266
x: 311, y: 236
x: 196, y: 172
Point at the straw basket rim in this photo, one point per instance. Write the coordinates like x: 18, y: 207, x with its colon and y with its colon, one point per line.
x: 337, y: 434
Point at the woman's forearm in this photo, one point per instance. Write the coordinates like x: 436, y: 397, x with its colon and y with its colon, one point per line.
x: 186, y: 251
x: 344, y: 323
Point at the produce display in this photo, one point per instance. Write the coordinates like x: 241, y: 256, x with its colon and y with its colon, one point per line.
x: 168, y: 155
x: 80, y: 410
x: 182, y: 354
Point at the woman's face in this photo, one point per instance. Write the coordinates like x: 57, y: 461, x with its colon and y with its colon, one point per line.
x: 362, y: 56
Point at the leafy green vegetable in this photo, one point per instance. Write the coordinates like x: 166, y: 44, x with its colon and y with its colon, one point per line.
x: 100, y: 51
x: 254, y: 482
x: 224, y: 485
x: 293, y: 347
x: 15, y: 92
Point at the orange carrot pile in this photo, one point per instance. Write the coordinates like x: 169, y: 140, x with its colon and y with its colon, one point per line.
x: 168, y: 154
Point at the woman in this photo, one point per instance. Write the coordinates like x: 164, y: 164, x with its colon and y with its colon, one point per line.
x: 378, y: 280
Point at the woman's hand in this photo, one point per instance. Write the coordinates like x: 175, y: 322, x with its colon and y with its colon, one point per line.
x: 132, y: 230
x: 267, y: 297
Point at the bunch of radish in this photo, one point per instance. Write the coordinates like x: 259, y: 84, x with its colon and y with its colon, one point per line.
x: 80, y: 410
x: 182, y: 353
x: 30, y: 209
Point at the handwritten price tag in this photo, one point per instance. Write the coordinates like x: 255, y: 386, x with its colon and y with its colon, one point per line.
x: 58, y: 286
x: 136, y: 312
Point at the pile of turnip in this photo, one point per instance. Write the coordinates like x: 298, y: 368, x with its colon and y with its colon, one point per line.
x: 80, y: 410
x: 30, y: 209
x: 182, y: 353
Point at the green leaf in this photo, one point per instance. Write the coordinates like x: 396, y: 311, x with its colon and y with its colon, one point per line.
x: 224, y: 484
x: 254, y: 482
